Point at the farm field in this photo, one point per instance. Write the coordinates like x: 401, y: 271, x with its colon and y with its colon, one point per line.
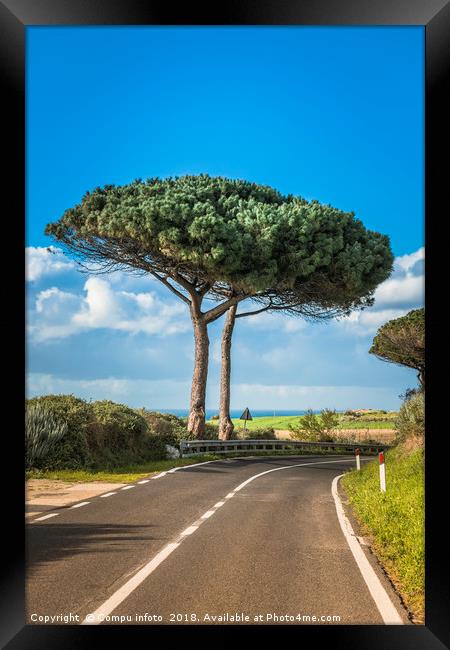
x: 373, y: 420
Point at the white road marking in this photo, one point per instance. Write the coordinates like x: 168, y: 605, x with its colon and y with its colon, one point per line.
x: 207, y: 514
x: 229, y: 495
x: 79, y: 505
x: 384, y: 604
x: 219, y: 504
x: 122, y: 593
x: 119, y: 596
x: 54, y: 514
x: 108, y: 494
x: 189, y: 531
x: 160, y: 475
x: 146, y: 480
x: 128, y: 487
x: 205, y: 462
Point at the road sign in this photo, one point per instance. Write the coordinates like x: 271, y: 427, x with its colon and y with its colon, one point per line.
x: 246, y: 416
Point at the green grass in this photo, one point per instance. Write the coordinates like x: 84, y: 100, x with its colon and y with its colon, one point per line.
x: 372, y: 421
x: 394, y: 521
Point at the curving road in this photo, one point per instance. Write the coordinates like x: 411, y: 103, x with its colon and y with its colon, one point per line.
x: 207, y: 544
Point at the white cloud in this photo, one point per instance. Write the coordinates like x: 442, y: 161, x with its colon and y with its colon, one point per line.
x: 407, y: 262
x: 59, y: 314
x: 291, y: 396
x: 395, y: 297
x: 41, y: 262
x: 158, y: 394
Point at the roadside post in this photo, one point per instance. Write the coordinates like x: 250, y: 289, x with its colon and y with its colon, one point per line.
x: 358, y: 463
x: 382, y: 473
x: 246, y: 416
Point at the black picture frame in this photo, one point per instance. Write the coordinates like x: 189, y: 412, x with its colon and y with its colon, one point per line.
x: 434, y: 15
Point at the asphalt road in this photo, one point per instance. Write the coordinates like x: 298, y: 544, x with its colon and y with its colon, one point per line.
x: 272, y: 549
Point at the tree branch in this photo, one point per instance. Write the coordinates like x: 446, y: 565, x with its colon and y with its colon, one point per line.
x: 215, y: 313
x: 169, y: 286
x: 257, y: 311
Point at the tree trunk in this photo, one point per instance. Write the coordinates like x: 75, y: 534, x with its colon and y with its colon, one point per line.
x: 196, y: 421
x: 226, y: 426
x: 421, y: 378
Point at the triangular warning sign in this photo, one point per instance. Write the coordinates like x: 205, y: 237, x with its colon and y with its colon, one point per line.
x: 246, y: 415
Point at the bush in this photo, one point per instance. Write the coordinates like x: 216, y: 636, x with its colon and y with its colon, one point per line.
x: 172, y: 429
x: 316, y: 428
x: 259, y: 434
x: 411, y: 418
x: 72, y: 450
x: 167, y: 427
x: 150, y: 448
x: 42, y: 432
x: 116, y: 427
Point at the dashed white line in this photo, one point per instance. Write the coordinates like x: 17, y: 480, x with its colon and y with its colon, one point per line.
x: 207, y: 514
x: 108, y: 494
x: 219, y: 504
x: 122, y: 593
x: 54, y: 514
x: 229, y: 495
x: 160, y: 475
x: 146, y: 480
x: 128, y: 487
x: 189, y: 530
x: 79, y: 505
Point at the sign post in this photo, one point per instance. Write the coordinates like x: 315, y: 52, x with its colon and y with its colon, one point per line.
x: 246, y: 416
x: 382, y: 473
x: 358, y: 463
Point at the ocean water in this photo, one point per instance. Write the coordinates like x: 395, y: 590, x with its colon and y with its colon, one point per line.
x: 235, y: 413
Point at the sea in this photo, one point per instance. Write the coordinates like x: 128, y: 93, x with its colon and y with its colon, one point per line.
x: 235, y: 413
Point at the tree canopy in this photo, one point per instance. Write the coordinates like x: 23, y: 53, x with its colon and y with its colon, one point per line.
x: 402, y: 341
x: 219, y: 232
x: 227, y: 240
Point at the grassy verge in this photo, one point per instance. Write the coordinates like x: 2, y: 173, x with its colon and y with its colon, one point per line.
x: 130, y: 473
x: 122, y: 474
x: 394, y: 521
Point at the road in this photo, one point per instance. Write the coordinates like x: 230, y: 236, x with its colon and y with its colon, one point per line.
x: 190, y: 548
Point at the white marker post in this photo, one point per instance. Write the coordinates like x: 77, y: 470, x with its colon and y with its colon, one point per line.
x: 358, y: 464
x: 382, y: 473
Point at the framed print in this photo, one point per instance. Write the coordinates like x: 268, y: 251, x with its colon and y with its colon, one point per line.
x: 225, y: 216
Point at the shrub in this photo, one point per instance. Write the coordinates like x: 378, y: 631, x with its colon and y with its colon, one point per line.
x: 171, y: 428
x: 316, y: 428
x: 42, y: 432
x: 72, y: 450
x: 116, y: 427
x: 167, y: 427
x: 259, y: 434
x: 411, y: 417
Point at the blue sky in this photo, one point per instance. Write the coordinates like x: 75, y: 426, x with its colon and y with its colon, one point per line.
x: 334, y: 114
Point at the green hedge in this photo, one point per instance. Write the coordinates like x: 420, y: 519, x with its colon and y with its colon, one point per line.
x: 72, y: 451
x: 99, y: 434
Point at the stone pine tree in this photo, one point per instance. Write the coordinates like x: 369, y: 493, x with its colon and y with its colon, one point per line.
x: 197, y: 235
x: 402, y: 341
x: 338, y: 264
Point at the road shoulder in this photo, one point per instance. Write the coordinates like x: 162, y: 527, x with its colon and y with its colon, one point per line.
x: 365, y: 544
x: 42, y: 495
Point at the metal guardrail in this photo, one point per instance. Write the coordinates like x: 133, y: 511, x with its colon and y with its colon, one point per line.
x: 195, y: 447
